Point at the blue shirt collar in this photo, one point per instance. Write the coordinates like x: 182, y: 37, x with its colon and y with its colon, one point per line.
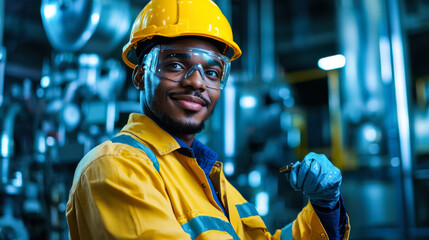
x: 206, y: 157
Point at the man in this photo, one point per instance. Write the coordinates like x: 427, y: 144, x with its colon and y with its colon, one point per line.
x: 154, y: 180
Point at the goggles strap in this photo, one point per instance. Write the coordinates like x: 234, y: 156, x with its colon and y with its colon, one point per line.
x: 143, y: 50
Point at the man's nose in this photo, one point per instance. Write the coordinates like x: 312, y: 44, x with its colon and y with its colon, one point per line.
x: 195, y: 78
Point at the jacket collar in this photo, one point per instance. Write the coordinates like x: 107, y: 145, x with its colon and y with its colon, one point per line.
x: 147, y: 130
x: 144, y: 128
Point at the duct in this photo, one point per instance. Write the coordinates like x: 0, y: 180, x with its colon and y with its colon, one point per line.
x: 251, y: 59
x: 95, y: 26
x: 362, y: 26
x: 267, y: 26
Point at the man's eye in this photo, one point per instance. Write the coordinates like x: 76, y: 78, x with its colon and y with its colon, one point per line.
x: 212, y: 74
x: 174, y: 66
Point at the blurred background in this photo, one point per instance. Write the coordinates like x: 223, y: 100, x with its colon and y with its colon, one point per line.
x: 347, y: 78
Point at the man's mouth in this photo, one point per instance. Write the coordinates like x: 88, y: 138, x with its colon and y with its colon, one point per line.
x: 189, y: 101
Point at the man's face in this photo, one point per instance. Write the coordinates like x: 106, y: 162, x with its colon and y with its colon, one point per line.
x: 183, y: 106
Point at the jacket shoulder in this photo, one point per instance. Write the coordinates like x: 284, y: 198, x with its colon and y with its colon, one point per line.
x: 109, y: 155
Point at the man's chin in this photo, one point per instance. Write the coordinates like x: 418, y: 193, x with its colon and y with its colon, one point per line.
x: 188, y: 129
x: 180, y: 128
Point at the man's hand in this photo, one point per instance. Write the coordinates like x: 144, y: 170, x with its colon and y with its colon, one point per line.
x: 318, y: 178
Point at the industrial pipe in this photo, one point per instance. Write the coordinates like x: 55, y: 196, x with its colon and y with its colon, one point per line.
x: 7, y: 142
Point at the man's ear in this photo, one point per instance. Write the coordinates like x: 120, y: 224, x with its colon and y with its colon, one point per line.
x: 138, y: 77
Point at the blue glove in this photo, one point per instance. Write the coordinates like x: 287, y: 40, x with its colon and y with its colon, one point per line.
x: 318, y: 178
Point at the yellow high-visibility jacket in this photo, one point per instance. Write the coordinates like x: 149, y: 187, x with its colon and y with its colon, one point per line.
x: 119, y: 192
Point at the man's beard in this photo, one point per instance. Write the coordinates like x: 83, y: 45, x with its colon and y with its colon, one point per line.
x: 178, y: 128
x: 173, y: 126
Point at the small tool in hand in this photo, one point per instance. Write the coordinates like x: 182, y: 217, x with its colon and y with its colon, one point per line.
x: 286, y: 168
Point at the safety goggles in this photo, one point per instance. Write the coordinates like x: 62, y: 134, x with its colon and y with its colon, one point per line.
x: 178, y: 63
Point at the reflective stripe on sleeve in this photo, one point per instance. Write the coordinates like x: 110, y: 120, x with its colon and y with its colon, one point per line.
x: 246, y: 210
x: 287, y: 232
x: 125, y: 139
x: 202, y: 224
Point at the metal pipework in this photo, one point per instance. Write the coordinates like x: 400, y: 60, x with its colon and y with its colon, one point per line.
x: 2, y: 51
x: 7, y: 142
x: 376, y: 88
x: 11, y: 227
x: 268, y: 65
x: 402, y: 91
x: 362, y: 42
x: 86, y: 34
x: 421, y: 131
x: 2, y: 71
x: 2, y: 14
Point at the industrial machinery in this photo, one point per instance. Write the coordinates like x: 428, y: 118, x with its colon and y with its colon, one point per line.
x: 275, y: 108
x: 48, y: 127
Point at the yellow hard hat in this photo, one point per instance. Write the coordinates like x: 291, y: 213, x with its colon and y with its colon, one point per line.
x: 177, y: 18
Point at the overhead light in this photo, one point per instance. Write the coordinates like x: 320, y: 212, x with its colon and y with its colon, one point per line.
x: 332, y: 62
x: 263, y: 203
x: 95, y: 18
x: 229, y: 130
x: 45, y: 82
x: 89, y: 59
x: 50, y: 10
x: 229, y: 168
x: 248, y: 102
x: 255, y: 178
x: 4, y: 145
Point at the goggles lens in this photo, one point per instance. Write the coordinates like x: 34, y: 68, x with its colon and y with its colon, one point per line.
x: 178, y: 63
